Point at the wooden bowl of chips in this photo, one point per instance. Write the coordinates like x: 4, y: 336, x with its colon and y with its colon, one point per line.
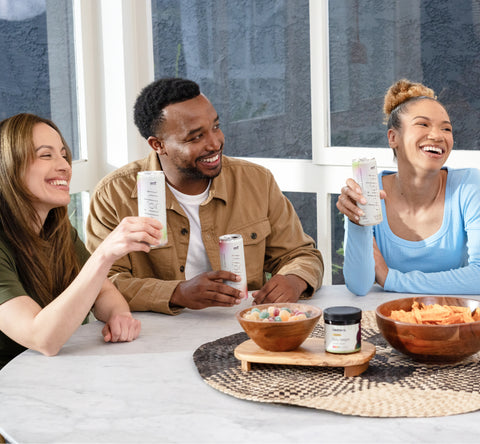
x: 284, y: 335
x: 442, y: 337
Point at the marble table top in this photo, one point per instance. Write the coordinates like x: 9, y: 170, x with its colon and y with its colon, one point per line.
x: 149, y: 390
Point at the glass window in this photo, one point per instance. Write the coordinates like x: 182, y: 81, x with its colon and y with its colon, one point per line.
x: 376, y: 42
x: 78, y: 211
x: 337, y: 234
x: 252, y: 60
x: 37, y: 72
x: 37, y: 62
x: 305, y: 205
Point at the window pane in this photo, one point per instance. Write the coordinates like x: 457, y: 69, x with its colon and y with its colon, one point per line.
x: 77, y: 212
x: 252, y: 60
x: 305, y: 205
x: 373, y: 43
x: 337, y: 235
x: 37, y: 63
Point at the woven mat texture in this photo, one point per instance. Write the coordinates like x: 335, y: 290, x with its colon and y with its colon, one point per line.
x: 392, y: 386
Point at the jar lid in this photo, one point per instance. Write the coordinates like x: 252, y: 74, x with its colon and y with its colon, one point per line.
x: 342, y: 313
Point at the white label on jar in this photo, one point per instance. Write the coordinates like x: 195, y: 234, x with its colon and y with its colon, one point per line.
x: 342, y: 338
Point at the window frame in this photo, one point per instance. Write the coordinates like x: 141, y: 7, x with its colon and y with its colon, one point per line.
x: 322, y: 151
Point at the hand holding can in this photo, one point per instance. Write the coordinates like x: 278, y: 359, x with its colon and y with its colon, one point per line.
x: 365, y: 174
x: 151, y: 199
x: 232, y: 258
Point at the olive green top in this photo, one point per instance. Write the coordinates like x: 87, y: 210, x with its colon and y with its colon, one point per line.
x: 11, y: 287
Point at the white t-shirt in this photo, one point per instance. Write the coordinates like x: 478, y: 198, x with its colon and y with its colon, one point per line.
x: 197, y: 259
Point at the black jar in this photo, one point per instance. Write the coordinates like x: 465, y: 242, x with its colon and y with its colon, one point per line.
x: 343, y: 330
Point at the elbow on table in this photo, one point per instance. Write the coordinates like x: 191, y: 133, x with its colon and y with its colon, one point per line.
x: 47, y: 347
x: 358, y: 288
x: 358, y: 279
x: 49, y: 350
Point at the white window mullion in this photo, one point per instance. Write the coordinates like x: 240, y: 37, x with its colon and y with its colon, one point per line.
x: 114, y: 55
x: 89, y: 101
x: 128, y: 66
x: 320, y: 84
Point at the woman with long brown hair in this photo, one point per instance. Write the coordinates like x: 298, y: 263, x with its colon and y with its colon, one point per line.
x: 48, y: 280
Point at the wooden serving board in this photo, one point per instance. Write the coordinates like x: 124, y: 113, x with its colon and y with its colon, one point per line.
x: 311, y: 352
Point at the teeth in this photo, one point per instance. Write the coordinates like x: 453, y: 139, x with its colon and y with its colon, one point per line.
x: 432, y: 149
x: 59, y: 182
x: 211, y: 159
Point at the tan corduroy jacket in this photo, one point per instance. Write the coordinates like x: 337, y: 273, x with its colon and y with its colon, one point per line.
x: 243, y: 199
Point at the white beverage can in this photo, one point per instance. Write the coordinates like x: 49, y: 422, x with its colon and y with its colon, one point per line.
x: 151, y: 199
x: 232, y: 258
x: 365, y: 174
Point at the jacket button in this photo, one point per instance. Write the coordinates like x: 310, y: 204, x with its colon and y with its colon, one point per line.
x: 253, y: 235
x: 182, y: 268
x: 184, y: 231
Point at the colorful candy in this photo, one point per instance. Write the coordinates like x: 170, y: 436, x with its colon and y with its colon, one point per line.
x: 275, y: 314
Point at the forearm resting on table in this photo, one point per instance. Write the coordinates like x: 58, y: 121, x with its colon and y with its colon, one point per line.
x: 298, y: 284
x: 306, y: 276
x: 145, y: 294
x: 46, y: 330
x: 109, y: 302
x: 359, y: 262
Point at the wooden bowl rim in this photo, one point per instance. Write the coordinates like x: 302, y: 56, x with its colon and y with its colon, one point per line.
x: 318, y: 312
x: 419, y: 299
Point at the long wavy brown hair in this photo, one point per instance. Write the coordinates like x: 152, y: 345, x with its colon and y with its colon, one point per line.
x: 46, y: 263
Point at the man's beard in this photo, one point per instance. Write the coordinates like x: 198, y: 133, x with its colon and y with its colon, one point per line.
x: 195, y: 174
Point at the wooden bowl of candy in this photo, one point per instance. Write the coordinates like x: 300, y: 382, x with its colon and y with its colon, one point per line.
x: 431, y: 329
x: 279, y: 327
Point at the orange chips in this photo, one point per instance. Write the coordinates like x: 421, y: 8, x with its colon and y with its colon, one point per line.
x: 436, y: 314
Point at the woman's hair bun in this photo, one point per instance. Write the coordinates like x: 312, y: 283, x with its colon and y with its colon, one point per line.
x: 402, y: 91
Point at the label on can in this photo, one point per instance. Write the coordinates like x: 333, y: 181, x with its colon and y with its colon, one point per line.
x: 151, y: 199
x: 365, y: 174
x: 232, y: 258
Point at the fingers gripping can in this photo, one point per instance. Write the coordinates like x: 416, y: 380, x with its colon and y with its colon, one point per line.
x: 232, y: 258
x: 151, y: 199
x: 365, y: 174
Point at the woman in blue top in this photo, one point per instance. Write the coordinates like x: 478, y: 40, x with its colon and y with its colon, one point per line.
x: 429, y: 240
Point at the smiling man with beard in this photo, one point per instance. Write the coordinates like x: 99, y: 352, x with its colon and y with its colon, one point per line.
x: 207, y: 195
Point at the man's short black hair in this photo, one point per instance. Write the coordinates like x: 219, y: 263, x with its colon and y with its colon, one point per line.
x: 149, y: 106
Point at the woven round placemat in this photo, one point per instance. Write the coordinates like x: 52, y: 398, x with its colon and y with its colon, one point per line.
x: 392, y: 386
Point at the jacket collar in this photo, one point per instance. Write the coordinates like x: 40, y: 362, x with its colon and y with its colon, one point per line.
x: 218, y: 188
x: 149, y: 163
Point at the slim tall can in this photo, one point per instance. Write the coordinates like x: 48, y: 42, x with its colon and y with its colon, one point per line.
x: 232, y: 258
x: 151, y: 199
x: 365, y: 174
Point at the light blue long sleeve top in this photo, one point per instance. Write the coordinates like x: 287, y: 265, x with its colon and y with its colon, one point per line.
x: 448, y: 262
